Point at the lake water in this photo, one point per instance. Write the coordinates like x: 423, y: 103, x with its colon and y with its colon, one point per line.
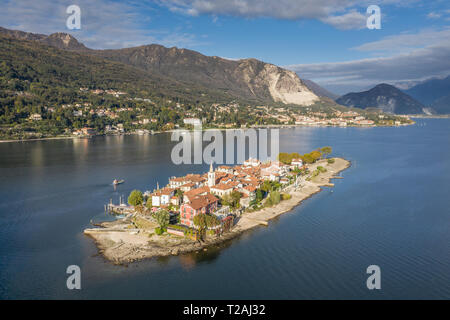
x: 392, y: 209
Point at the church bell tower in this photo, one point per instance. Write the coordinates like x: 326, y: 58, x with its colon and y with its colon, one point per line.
x: 211, y: 176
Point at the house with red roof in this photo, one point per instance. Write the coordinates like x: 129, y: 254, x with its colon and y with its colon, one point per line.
x: 202, y: 204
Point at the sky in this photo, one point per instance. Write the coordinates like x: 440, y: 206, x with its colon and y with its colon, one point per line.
x: 326, y: 41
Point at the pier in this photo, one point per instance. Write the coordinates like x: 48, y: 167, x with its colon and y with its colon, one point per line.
x: 120, y: 208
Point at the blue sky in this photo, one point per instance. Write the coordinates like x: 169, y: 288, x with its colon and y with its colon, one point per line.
x: 323, y: 40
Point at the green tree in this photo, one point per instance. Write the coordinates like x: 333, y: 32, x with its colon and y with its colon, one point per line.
x: 275, y: 197
x: 200, y: 221
x: 259, y: 195
x: 162, y: 217
x: 179, y: 194
x: 135, y: 198
x: 266, y: 186
x: 149, y: 203
x: 211, y: 221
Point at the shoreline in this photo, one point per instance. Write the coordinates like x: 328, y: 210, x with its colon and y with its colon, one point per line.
x: 279, y: 126
x: 120, y: 243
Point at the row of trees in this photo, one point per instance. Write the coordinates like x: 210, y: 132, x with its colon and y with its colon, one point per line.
x: 311, y: 157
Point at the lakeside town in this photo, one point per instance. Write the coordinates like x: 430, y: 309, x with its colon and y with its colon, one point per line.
x: 115, y: 112
x: 195, y: 211
x: 264, y: 115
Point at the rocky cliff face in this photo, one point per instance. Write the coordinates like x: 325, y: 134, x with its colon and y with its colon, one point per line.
x: 247, y: 78
x: 263, y: 79
x: 64, y: 41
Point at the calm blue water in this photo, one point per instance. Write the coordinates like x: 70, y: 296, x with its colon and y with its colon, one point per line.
x: 391, y: 209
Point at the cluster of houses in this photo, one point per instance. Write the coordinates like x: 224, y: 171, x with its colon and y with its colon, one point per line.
x: 109, y: 91
x: 341, y: 120
x: 88, y: 132
x: 197, y: 194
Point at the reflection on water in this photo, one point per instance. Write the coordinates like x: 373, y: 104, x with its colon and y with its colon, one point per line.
x: 391, y: 209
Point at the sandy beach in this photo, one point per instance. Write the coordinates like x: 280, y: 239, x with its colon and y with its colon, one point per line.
x: 132, y: 239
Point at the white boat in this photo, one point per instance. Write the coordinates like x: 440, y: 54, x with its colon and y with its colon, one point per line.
x: 116, y: 182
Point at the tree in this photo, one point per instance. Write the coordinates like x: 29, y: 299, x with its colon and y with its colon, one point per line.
x: 259, y: 195
x: 316, y: 155
x: 212, y: 221
x: 326, y: 151
x: 162, y: 217
x: 135, y: 198
x: 286, y: 158
x: 266, y: 186
x: 236, y: 197
x: 200, y: 221
x: 307, y: 158
x: 275, y: 197
x: 179, y: 194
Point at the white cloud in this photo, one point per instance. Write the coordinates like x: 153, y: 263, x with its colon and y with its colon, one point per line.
x: 341, y: 77
x: 406, y: 42
x: 104, y: 23
x: 342, y: 14
x: 350, y: 20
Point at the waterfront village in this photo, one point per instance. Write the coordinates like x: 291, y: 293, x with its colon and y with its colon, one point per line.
x: 195, y: 210
x: 208, y: 203
x: 114, y: 112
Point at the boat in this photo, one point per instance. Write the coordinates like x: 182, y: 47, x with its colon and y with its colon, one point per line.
x: 116, y: 182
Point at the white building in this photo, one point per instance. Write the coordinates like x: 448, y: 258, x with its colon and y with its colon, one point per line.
x: 252, y: 162
x: 36, y: 117
x: 296, y: 163
x: 162, y: 197
x: 193, y: 121
x: 222, y: 189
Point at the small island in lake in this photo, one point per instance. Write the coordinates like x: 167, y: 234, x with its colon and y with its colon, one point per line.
x: 200, y: 210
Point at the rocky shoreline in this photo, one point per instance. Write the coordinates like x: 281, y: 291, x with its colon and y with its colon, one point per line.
x: 121, y: 242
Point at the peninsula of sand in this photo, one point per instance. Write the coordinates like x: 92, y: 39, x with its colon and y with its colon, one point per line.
x: 133, y: 238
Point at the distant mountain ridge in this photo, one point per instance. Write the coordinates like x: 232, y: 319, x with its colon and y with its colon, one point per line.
x: 384, y: 97
x: 59, y: 40
x: 434, y: 93
x: 247, y: 78
x: 441, y: 105
x: 319, y: 90
x: 431, y: 90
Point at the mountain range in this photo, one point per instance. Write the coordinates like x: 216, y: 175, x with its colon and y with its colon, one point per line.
x: 429, y: 97
x: 248, y: 79
x: 320, y: 91
x: 174, y: 72
x: 385, y: 97
x: 434, y: 93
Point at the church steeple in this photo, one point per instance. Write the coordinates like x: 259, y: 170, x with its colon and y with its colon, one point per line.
x: 211, y: 176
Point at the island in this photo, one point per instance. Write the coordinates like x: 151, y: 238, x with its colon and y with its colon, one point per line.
x: 196, y: 211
